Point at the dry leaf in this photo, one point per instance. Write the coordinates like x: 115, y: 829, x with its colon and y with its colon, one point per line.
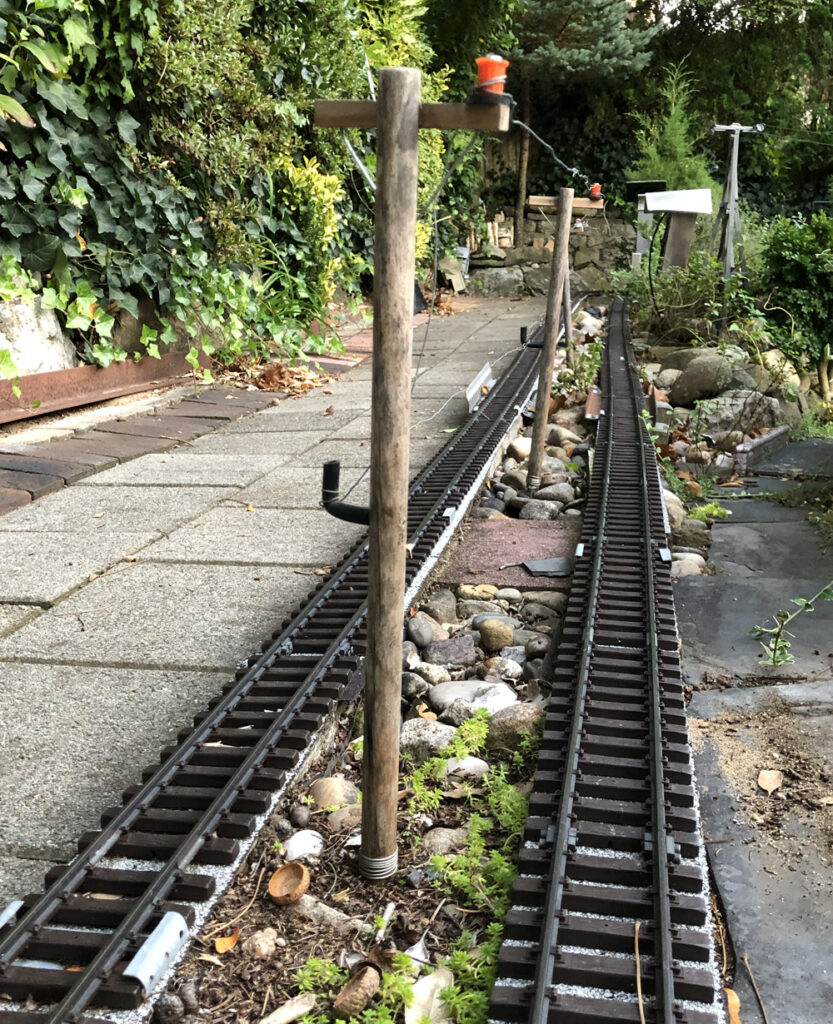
x: 250, y: 508
x: 291, y: 1010
x: 329, y: 410
x: 694, y: 489
x: 211, y: 959
x: 733, y: 1005
x: 427, y: 1001
x: 129, y: 558
x: 98, y: 515
x: 226, y: 942
x: 101, y: 896
x: 732, y: 481
x: 770, y: 779
x: 423, y: 712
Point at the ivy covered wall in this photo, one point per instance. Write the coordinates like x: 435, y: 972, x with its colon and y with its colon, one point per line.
x: 159, y: 155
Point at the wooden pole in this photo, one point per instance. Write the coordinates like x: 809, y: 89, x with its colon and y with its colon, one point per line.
x: 568, y: 316
x: 393, y: 308
x: 555, y: 301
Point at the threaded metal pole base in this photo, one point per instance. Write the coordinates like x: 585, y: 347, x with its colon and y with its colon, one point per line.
x: 377, y: 868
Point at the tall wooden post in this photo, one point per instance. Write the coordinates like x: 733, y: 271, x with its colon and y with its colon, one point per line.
x: 393, y: 313
x: 397, y: 115
x: 555, y: 303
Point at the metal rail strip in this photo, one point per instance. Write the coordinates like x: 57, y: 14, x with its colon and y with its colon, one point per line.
x: 306, y: 666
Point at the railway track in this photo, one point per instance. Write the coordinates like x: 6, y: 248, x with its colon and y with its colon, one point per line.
x: 109, y: 924
x: 613, y: 837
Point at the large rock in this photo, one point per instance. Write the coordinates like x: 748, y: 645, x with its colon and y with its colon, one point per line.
x: 666, y: 378
x: 495, y: 634
x: 539, y: 510
x: 738, y: 410
x: 497, y: 281
x: 703, y: 377
x: 333, y: 791
x: 537, y: 278
x: 444, y: 694
x: 441, y: 605
x: 459, y: 650
x: 421, y: 739
x: 508, y: 727
x: 469, y: 608
x: 422, y: 629
x: 563, y: 493
x: 34, y: 338
x: 520, y: 447
x: 783, y: 372
x: 553, y: 599
x: 678, y: 359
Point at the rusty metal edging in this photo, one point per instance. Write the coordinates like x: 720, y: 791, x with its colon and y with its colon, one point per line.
x: 57, y: 390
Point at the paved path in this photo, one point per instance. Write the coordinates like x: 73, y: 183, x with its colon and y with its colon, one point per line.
x: 776, y: 888
x: 128, y: 597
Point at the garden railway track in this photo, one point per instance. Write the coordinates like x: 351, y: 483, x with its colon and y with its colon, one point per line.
x: 600, y: 852
x: 613, y: 837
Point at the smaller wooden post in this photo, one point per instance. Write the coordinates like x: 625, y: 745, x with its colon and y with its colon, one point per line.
x: 555, y: 302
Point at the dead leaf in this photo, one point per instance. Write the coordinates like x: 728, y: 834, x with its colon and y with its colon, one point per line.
x: 329, y: 410
x: 250, y: 508
x: 291, y: 1010
x: 731, y: 481
x: 129, y: 558
x: 733, y: 1005
x: 226, y: 942
x: 98, y: 515
x: 81, y: 241
x: 694, y: 489
x: 211, y: 959
x: 75, y: 968
x: 427, y: 1002
x: 770, y: 779
x: 423, y: 712
x: 101, y: 896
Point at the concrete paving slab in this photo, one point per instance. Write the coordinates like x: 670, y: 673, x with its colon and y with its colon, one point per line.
x: 42, y: 567
x: 519, y: 540
x: 298, y: 418
x: 264, y: 536
x: 775, y: 549
x: 289, y: 487
x: 715, y: 620
x: 96, y: 511
x: 45, y: 803
x: 811, y: 457
x: 355, y: 452
x: 258, y: 442
x: 19, y: 876
x: 174, y: 617
x: 13, y: 616
x: 752, y: 510
x: 182, y: 467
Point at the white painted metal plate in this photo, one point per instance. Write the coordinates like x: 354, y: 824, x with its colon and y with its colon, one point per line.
x: 474, y: 392
x: 687, y: 200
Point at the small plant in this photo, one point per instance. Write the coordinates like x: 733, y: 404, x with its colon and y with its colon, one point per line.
x: 817, y: 422
x: 583, y: 366
x: 427, y: 781
x: 777, y: 647
x: 710, y: 511
x: 320, y: 976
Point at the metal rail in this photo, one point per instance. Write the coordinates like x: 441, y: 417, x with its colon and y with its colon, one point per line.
x: 198, y: 804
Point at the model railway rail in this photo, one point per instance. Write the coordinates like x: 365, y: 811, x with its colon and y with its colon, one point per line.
x: 613, y: 835
x: 73, y: 946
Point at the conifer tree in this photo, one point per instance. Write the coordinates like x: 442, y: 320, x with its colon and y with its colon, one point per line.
x: 567, y: 40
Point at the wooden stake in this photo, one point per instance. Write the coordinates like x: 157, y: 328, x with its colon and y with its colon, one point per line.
x: 555, y: 302
x: 393, y: 309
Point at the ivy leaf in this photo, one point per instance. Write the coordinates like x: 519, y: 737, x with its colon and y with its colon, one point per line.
x: 127, y: 126
x: 193, y: 358
x: 7, y: 366
x: 13, y: 110
x: 31, y: 186
x: 826, y: 594
x: 77, y: 34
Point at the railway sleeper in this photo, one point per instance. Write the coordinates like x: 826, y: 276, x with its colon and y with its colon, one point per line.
x: 602, y: 835
x: 584, y: 867
x: 129, y: 882
x: 90, y: 912
x: 160, y: 846
x: 611, y: 934
x: 201, y: 797
x: 51, y: 985
x: 600, y: 970
x: 180, y: 822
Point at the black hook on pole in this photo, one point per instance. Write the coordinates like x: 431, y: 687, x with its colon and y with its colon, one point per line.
x: 330, y: 500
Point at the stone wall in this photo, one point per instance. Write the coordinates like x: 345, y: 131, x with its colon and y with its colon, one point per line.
x: 599, y: 243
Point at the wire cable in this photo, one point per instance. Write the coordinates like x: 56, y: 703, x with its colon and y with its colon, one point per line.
x: 572, y: 171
